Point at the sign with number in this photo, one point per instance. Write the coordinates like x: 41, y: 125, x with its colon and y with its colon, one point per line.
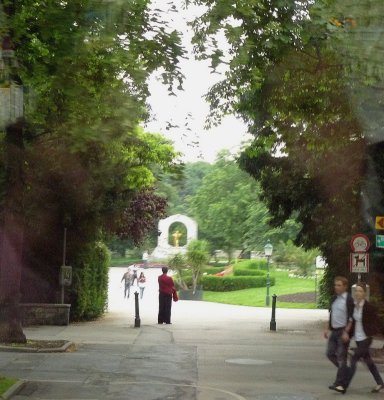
x: 359, y: 263
x: 360, y: 243
x: 65, y: 275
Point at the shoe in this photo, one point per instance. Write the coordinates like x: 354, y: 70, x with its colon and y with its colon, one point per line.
x: 332, y: 387
x: 340, y: 389
x: 377, y: 389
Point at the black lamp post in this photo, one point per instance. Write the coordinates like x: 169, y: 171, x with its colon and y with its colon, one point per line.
x: 268, y: 248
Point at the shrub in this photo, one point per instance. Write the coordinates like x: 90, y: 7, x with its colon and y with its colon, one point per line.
x: 242, y: 271
x: 89, y: 290
x: 230, y: 283
x: 178, y: 263
x: 212, y: 270
x: 253, y: 264
x: 197, y: 257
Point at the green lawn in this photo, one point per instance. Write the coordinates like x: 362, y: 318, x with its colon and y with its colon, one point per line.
x: 6, y: 383
x: 256, y: 296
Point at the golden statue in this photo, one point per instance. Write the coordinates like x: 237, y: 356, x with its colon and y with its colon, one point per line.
x: 176, y: 236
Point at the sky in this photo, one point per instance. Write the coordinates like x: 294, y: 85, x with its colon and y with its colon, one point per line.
x: 189, y: 106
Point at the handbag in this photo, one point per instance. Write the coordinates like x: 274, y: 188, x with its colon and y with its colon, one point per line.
x: 175, y: 297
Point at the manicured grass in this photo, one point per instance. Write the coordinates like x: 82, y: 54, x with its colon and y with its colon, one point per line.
x: 256, y: 296
x: 6, y: 383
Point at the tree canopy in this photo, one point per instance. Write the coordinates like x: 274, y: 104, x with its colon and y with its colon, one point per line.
x: 284, y: 73
x: 83, y: 162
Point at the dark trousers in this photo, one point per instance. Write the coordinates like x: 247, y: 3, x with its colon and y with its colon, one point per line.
x: 165, y: 304
x: 337, y: 352
x: 362, y: 352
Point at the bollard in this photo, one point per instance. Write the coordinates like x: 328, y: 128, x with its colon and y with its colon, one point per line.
x: 137, y: 314
x: 272, y: 325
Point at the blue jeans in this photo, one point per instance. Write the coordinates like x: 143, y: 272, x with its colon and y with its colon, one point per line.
x: 337, y: 352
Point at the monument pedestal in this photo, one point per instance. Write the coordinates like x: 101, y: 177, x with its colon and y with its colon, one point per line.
x: 164, y: 250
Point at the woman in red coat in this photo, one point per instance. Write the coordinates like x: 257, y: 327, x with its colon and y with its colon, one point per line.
x: 166, y: 289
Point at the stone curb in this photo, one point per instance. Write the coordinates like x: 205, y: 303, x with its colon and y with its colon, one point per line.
x: 16, y: 349
x: 14, y: 389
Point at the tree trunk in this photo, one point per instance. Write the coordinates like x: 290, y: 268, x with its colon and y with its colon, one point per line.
x: 11, y: 237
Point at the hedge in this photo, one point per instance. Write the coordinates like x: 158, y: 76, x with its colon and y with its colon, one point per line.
x: 230, y: 283
x: 213, y: 270
x: 241, y: 271
x: 260, y: 264
x: 89, y: 290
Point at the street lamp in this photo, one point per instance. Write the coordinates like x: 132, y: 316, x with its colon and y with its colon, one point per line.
x: 268, y: 248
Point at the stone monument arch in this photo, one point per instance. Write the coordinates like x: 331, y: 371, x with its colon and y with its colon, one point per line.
x: 164, y: 249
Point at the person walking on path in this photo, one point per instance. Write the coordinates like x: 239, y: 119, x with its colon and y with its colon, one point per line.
x: 127, y: 278
x: 365, y: 326
x: 142, y: 284
x: 134, y: 275
x: 337, y: 331
x: 166, y: 289
x: 145, y: 259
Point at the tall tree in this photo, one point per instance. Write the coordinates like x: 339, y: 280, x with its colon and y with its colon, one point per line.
x: 229, y: 211
x: 286, y: 78
x: 86, y: 65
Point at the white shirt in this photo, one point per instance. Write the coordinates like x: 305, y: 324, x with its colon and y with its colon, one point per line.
x: 358, y: 317
x: 339, y: 311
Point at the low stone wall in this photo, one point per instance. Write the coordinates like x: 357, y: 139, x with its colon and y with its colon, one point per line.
x: 44, y: 314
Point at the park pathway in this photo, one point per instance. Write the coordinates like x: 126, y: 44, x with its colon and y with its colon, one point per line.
x: 210, y: 352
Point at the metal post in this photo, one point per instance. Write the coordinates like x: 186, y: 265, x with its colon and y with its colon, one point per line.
x: 272, y: 325
x: 315, y: 282
x: 137, y: 315
x: 65, y: 246
x: 268, y: 283
x: 64, y: 256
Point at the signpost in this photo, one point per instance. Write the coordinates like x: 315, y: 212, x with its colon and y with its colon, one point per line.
x: 359, y: 263
x: 360, y: 243
x: 379, y: 223
x: 359, y: 258
x: 380, y: 241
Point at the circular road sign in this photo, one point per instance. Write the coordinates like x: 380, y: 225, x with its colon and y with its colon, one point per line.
x: 360, y: 243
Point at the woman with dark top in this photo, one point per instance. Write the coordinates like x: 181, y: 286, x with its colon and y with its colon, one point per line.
x: 365, y: 326
x: 166, y: 289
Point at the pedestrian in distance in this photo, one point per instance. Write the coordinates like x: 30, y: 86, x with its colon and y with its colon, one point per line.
x: 338, y: 330
x: 134, y: 275
x: 166, y: 289
x: 127, y: 278
x: 365, y: 326
x: 145, y: 259
x: 142, y: 284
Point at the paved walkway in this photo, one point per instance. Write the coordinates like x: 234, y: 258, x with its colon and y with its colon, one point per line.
x: 210, y: 352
